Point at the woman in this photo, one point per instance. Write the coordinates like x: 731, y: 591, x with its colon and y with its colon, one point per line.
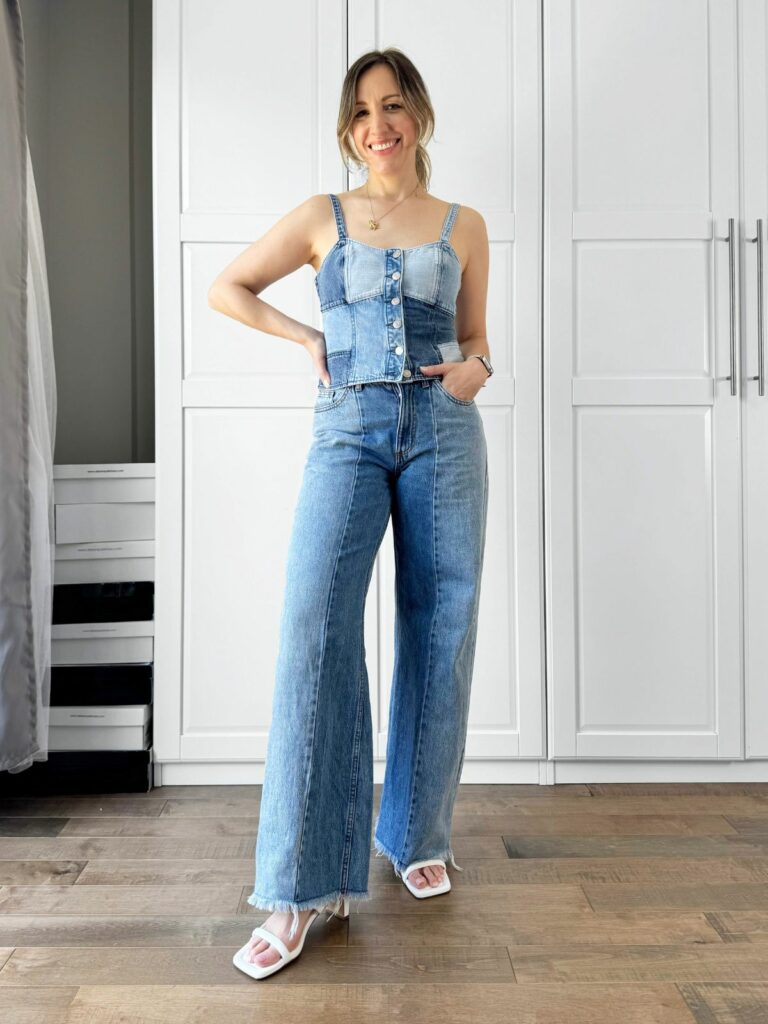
x: 395, y: 432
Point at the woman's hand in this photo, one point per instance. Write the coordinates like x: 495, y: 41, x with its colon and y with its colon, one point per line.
x: 466, y: 378
x: 315, y: 345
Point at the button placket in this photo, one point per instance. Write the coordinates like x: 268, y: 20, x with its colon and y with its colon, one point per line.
x: 393, y: 297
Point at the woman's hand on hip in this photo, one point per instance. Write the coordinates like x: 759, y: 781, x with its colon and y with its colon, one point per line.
x: 315, y: 346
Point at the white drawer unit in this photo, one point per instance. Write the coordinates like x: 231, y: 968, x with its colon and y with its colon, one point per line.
x: 109, y: 482
x: 118, y: 727
x: 105, y: 522
x: 102, y: 643
x: 110, y: 502
x: 129, y: 561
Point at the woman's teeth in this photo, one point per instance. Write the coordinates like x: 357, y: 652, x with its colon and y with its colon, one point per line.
x: 384, y: 147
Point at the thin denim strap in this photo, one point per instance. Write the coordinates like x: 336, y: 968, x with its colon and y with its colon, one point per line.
x: 337, y: 212
x: 450, y: 217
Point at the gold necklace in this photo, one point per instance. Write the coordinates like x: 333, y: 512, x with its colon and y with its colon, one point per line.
x: 373, y: 223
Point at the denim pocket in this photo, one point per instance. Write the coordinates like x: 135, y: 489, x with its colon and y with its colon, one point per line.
x: 329, y: 398
x: 443, y: 390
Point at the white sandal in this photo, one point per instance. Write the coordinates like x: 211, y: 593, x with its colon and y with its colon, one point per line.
x: 286, y: 955
x: 427, y: 890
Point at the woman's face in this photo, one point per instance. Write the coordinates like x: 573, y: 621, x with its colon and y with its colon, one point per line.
x: 381, y: 119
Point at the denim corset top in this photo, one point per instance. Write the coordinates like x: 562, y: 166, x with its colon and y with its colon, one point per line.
x: 386, y: 312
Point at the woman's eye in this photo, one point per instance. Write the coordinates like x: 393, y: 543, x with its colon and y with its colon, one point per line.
x: 397, y: 105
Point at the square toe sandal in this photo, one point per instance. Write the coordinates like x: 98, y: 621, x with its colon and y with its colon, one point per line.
x: 427, y: 890
x: 286, y: 955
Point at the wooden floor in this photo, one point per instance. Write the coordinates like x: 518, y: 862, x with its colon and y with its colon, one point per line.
x: 606, y: 904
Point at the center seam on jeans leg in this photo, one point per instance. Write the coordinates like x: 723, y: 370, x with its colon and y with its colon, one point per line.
x: 352, y: 802
x: 431, y: 632
x: 308, y: 777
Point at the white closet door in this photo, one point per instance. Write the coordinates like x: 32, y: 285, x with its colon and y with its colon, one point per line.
x: 642, y: 445
x: 754, y: 91
x: 241, y: 136
x: 483, y: 74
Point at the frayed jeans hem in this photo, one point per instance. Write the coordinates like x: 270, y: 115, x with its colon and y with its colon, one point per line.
x: 296, y: 906
x: 401, y: 865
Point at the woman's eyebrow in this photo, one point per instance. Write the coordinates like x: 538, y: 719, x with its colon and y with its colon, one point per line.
x: 360, y: 103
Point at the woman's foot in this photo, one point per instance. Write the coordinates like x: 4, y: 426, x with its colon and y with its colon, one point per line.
x: 429, y: 875
x: 261, y: 952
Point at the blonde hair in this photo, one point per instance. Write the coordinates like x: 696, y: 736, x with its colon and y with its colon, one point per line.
x: 415, y: 100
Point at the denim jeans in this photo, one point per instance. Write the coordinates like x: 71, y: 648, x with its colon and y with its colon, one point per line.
x: 413, y: 451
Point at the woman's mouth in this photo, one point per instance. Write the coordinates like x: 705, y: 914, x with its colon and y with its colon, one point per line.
x: 384, y: 147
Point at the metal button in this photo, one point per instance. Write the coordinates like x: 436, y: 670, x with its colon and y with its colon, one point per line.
x: 396, y: 276
x: 396, y: 323
x: 396, y: 253
x: 395, y: 301
x: 399, y: 349
x: 406, y: 373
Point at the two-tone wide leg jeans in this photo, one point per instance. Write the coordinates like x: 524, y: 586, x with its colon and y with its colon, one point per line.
x: 415, y: 453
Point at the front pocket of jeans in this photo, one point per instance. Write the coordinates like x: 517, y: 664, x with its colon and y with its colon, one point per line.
x: 329, y: 398
x: 449, y: 396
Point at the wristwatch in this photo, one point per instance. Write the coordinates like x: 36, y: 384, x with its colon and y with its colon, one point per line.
x: 486, y: 362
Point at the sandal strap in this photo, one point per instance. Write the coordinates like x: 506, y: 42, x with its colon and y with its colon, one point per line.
x: 435, y: 862
x: 273, y: 940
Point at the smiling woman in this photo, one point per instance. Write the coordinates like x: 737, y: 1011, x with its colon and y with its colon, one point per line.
x: 395, y: 430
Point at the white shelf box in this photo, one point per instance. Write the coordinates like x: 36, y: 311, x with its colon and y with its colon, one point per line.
x: 102, y: 643
x: 109, y: 482
x: 104, y: 522
x: 130, y: 561
x: 109, y: 727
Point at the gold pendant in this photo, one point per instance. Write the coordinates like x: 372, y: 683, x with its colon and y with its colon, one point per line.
x: 372, y: 224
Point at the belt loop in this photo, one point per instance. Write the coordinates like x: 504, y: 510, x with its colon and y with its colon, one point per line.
x: 425, y: 382
x: 358, y: 387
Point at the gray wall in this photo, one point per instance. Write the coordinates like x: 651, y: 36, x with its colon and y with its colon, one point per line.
x: 89, y: 123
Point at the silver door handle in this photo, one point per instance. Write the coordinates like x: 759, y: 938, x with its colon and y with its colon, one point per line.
x: 730, y: 238
x: 760, y: 373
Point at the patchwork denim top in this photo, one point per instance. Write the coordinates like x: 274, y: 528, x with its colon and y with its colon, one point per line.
x: 388, y: 311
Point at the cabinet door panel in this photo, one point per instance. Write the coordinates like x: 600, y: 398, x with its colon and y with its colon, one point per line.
x: 242, y: 135
x: 754, y: 92
x: 642, y: 431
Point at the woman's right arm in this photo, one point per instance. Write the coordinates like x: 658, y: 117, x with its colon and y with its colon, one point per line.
x: 287, y: 246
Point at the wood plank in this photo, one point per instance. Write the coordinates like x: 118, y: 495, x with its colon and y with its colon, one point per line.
x: 738, y: 925
x: 117, y: 848
x: 516, y: 805
x: 699, y: 896
x: 40, y: 872
x: 185, y: 871
x: 727, y: 1003
x: 82, y: 806
x: 378, y: 1003
x: 627, y: 846
x: 321, y: 963
x: 35, y: 826
x: 157, y: 900
x: 578, y: 824
x: 410, y: 927
x: 616, y: 964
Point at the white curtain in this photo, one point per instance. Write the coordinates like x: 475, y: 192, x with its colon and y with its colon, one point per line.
x: 27, y: 429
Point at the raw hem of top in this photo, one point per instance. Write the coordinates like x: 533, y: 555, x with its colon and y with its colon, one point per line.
x: 383, y: 380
